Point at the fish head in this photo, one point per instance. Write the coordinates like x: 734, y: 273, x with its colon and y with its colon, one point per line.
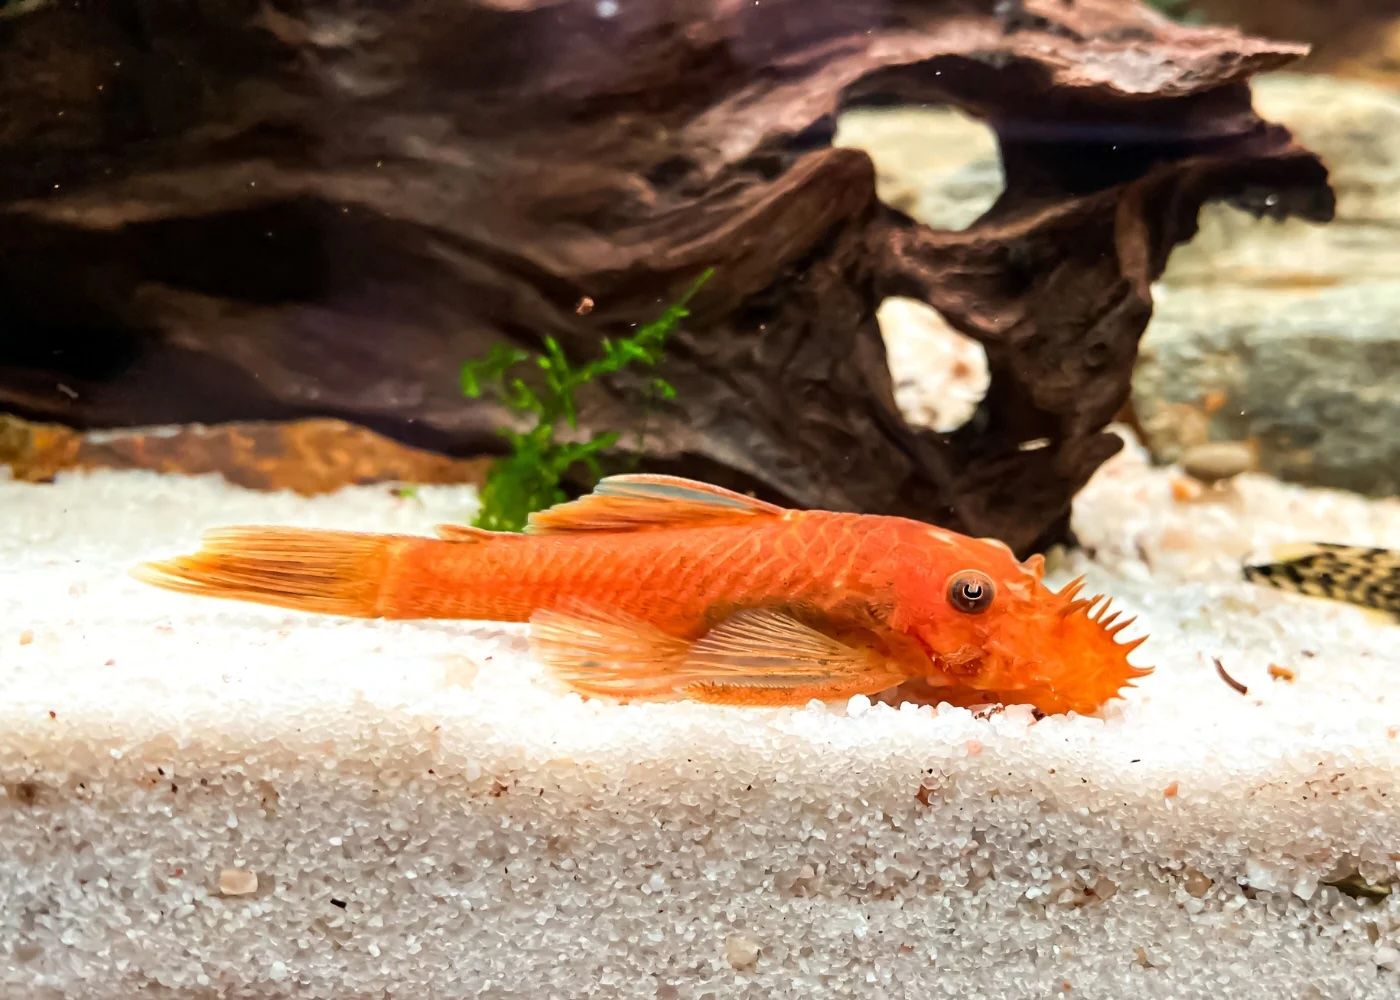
x: 992, y: 628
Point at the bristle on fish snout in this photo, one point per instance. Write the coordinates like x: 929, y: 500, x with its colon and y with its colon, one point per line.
x: 1098, y: 610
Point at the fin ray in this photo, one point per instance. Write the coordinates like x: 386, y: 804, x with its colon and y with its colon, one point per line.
x: 639, y: 502
x: 603, y: 652
x: 770, y: 648
x: 328, y: 572
x: 765, y: 657
x: 752, y: 657
x: 468, y: 534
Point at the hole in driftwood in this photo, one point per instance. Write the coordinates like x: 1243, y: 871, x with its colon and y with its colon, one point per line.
x: 940, y: 375
x: 933, y: 163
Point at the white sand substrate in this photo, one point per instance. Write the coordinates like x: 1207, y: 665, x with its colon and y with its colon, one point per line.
x: 205, y: 799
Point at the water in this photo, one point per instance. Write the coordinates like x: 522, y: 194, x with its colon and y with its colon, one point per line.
x: 1107, y: 287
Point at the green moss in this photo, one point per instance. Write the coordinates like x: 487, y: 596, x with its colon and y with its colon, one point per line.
x: 542, y: 386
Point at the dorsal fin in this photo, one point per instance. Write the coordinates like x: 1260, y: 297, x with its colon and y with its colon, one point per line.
x: 640, y: 502
x: 470, y: 533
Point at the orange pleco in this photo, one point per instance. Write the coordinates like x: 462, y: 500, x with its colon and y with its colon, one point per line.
x: 660, y: 587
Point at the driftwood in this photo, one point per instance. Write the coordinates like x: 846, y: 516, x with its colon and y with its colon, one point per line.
x: 240, y: 210
x: 304, y: 456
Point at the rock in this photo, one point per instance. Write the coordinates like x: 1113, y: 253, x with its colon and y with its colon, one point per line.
x: 237, y: 882
x: 1292, y: 329
x: 742, y: 951
x: 1217, y: 461
x: 939, y: 375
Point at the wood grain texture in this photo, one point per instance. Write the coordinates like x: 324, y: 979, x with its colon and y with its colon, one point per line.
x: 243, y: 210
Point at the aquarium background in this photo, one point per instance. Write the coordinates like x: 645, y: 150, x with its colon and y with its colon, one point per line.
x: 1115, y: 284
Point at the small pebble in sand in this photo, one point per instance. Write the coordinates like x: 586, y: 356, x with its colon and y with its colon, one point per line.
x: 1185, y: 490
x: 1196, y: 883
x: 237, y: 882
x: 584, y: 307
x: 741, y: 951
x: 1171, y: 790
x: 1281, y: 673
x: 26, y: 637
x: 1216, y: 461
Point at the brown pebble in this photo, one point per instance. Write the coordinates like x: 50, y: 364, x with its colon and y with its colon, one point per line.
x: 585, y: 306
x: 53, y: 714
x: 26, y: 637
x: 1217, y: 461
x: 1197, y: 884
x: 1281, y: 673
x: 1171, y: 790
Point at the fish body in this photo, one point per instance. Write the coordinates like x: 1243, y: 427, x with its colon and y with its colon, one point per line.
x: 656, y: 587
x: 1354, y: 574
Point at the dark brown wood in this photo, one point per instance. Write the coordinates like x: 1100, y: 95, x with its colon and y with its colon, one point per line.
x: 238, y: 210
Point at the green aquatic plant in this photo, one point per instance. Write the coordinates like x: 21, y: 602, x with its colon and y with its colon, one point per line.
x: 530, y: 476
x: 1178, y: 10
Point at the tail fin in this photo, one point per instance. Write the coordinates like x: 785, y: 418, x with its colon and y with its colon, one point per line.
x: 329, y: 572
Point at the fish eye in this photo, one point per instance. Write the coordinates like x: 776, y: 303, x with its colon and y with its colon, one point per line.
x: 971, y: 592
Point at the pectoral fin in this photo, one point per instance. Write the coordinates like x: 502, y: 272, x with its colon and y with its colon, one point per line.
x: 764, y: 657
x: 756, y: 657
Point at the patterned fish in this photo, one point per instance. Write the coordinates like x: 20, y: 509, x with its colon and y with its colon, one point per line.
x: 1355, y: 574
x: 659, y: 587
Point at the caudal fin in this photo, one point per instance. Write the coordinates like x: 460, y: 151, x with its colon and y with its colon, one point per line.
x: 328, y: 572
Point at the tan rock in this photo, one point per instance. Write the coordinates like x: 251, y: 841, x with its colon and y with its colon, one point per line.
x: 1294, y: 328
